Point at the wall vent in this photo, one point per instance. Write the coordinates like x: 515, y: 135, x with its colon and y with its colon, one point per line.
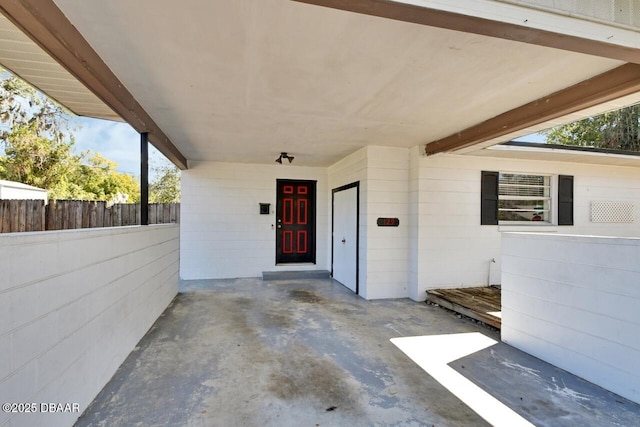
x: 612, y: 212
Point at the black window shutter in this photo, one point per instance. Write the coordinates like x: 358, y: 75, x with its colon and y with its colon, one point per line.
x: 565, y: 200
x: 489, y: 198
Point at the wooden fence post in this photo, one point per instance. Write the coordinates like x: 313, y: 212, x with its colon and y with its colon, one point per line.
x: 153, y: 218
x: 41, y: 215
x: 84, y: 208
x: 100, y: 213
x: 60, y: 214
x: 80, y: 209
x: 108, y: 216
x: 4, y: 216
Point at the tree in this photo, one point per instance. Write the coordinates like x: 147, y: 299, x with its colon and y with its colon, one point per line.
x: 38, y: 150
x: 35, y: 134
x: 619, y: 130
x: 21, y: 105
x: 37, y: 142
x: 38, y: 161
x: 165, y: 187
x: 97, y: 179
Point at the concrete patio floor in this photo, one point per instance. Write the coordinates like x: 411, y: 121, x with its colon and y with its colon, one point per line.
x: 249, y: 352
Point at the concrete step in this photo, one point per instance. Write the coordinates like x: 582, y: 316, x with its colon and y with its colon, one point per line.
x: 295, y: 275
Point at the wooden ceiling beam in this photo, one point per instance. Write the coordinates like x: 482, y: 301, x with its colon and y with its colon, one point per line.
x: 400, y: 11
x: 47, y: 26
x: 605, y: 87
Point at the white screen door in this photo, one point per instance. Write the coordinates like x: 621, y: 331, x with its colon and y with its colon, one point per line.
x: 345, y: 237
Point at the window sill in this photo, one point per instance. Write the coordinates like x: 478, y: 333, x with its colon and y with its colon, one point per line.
x: 529, y: 228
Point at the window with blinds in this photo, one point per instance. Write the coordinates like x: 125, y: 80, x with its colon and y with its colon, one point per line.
x: 524, y: 198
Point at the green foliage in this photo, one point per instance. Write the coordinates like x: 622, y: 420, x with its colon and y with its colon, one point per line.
x: 37, y: 160
x: 23, y: 106
x: 97, y: 179
x: 165, y: 187
x: 618, y: 130
x: 38, y: 150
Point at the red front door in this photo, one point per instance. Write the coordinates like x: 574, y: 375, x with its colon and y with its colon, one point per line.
x: 295, y: 221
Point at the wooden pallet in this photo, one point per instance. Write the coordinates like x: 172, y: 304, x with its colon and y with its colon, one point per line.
x: 476, y: 303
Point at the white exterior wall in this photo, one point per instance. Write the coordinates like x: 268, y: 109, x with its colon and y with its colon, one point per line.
x: 414, y: 224
x: 439, y: 244
x: 387, y: 247
x: 353, y: 168
x: 454, y: 250
x: 573, y: 301
x: 223, y: 234
x: 73, y: 305
x: 383, y: 173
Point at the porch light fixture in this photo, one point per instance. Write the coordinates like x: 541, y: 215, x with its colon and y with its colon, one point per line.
x: 284, y: 156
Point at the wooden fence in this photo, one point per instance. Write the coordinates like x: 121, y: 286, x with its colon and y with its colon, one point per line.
x: 34, y: 215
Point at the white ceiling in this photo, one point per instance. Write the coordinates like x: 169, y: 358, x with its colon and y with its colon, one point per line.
x: 243, y: 80
x: 21, y: 56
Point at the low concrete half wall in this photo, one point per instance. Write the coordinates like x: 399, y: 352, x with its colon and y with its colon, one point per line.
x: 73, y: 305
x: 573, y: 301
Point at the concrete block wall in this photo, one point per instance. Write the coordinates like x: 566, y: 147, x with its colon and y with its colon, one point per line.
x: 223, y: 234
x: 573, y: 302
x: 73, y: 305
x: 456, y: 251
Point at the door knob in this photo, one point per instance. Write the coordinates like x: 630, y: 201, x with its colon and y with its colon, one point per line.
x: 344, y: 240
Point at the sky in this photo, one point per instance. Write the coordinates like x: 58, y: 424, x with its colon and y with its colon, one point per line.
x: 534, y: 137
x: 114, y: 140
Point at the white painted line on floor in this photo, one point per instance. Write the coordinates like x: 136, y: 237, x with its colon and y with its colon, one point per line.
x: 433, y: 353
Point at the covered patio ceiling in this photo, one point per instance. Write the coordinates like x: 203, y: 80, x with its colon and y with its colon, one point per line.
x: 243, y: 80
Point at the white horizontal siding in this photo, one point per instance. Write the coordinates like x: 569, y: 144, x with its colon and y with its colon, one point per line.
x: 573, y: 301
x: 73, y: 305
x: 353, y: 168
x: 413, y: 222
x: 224, y: 235
x: 456, y: 251
x: 387, y: 247
x: 440, y: 242
x: 383, y: 173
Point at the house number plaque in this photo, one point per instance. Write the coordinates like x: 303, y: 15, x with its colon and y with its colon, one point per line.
x: 388, y: 222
